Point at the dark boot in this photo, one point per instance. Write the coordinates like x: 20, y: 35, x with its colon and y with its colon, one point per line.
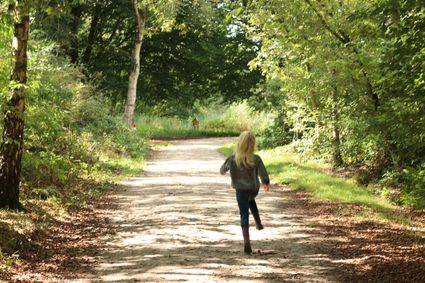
x: 257, y: 219
x: 247, y: 244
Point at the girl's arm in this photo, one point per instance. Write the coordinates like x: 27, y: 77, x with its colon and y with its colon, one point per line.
x: 264, y: 176
x: 226, y: 166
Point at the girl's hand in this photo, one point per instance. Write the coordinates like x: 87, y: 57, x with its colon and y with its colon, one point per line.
x: 266, y: 188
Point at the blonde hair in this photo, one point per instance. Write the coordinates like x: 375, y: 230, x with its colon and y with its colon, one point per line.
x: 244, y: 154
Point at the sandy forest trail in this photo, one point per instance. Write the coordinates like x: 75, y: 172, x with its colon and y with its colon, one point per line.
x: 179, y: 222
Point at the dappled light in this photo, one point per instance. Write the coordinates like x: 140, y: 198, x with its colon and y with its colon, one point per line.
x: 180, y: 221
x: 116, y: 116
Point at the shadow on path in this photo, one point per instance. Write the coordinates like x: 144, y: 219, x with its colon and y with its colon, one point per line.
x: 180, y: 222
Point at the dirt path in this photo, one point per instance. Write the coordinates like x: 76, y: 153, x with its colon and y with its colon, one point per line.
x: 179, y: 222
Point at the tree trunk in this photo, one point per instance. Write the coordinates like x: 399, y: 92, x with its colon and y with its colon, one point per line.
x: 13, y: 133
x: 92, y: 33
x: 135, y: 65
x: 336, y: 140
x: 76, y: 13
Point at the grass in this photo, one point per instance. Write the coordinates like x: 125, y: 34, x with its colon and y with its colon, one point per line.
x: 47, y: 203
x: 227, y: 149
x: 120, y: 166
x: 315, y: 177
x: 179, y: 133
x: 175, y: 128
x: 6, y: 259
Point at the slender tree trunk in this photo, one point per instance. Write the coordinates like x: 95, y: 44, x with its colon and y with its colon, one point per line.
x: 76, y: 12
x: 92, y: 33
x: 13, y: 133
x: 135, y: 65
x: 336, y: 139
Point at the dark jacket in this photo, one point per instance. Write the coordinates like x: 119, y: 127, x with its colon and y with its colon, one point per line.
x: 246, y: 179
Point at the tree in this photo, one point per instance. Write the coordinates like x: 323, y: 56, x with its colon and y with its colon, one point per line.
x: 188, y: 54
x: 130, y: 105
x: 352, y: 76
x: 162, y: 14
x: 200, y: 61
x: 11, y: 147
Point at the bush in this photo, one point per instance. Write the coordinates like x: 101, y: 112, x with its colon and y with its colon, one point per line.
x: 69, y: 128
x: 411, y: 182
x: 216, y: 119
x: 277, y: 134
x: 236, y: 117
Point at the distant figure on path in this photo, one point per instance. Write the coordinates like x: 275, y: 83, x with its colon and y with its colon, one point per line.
x: 245, y: 167
x: 195, y: 123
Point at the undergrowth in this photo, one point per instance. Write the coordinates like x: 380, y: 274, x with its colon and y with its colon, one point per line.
x: 76, y: 147
x: 286, y: 167
x: 215, y: 120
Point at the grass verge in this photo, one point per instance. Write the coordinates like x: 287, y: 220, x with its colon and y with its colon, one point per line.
x: 52, y: 205
x: 179, y: 133
x: 314, y: 177
x: 178, y: 128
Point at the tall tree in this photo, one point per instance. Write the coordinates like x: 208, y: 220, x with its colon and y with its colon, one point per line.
x: 362, y: 60
x: 154, y: 17
x: 162, y: 14
x: 141, y: 15
x: 11, y: 147
x: 189, y: 52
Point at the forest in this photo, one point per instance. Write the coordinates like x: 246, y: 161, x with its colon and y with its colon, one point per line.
x: 87, y: 85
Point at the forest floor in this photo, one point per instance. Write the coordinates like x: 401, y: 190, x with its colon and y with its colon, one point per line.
x: 179, y: 222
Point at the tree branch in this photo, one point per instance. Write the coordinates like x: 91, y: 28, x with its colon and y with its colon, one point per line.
x: 345, y: 39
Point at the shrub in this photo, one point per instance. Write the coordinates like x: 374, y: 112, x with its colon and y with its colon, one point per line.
x: 68, y: 128
x: 275, y: 135
x: 235, y: 117
x: 411, y: 182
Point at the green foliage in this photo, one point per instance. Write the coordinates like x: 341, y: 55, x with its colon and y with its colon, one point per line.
x: 227, y: 149
x: 285, y: 167
x: 341, y: 80
x: 277, y: 134
x: 411, y: 182
x: 162, y: 14
x: 181, y: 67
x: 348, y: 76
x: 70, y: 133
x: 134, y: 144
x: 216, y: 119
x: 195, y: 60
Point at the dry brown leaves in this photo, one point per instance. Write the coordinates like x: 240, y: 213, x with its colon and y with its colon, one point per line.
x: 62, y: 249
x: 360, y: 251
x: 366, y: 251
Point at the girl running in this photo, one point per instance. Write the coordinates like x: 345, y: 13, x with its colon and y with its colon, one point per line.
x: 245, y: 168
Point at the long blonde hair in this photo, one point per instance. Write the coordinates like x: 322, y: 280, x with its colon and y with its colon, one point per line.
x: 244, y: 154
